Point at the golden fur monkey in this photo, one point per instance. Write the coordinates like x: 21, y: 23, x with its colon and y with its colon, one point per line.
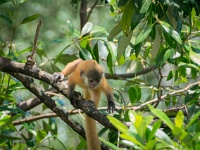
x: 88, y: 74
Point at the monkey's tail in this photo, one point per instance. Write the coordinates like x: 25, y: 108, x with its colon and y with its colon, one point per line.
x: 93, y: 142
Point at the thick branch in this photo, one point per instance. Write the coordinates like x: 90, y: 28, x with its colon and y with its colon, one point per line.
x: 83, y: 13
x: 86, y: 106
x: 50, y: 103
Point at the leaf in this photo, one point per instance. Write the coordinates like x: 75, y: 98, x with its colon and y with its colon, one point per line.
x: 70, y: 26
x: 162, y: 116
x: 84, y: 54
x: 170, y: 75
x: 132, y: 92
x: 136, y: 20
x: 123, y: 43
x: 110, y: 63
x: 116, y: 30
x: 193, y: 119
x: 127, y: 16
x: 96, y: 52
x: 7, y: 19
x: 30, y: 18
x: 4, y: 1
x: 86, y: 28
x: 170, y: 31
x: 178, y: 121
x: 145, y: 6
x: 195, y: 56
x: 143, y: 34
x: 98, y: 29
x: 153, y: 129
x: 109, y: 144
x: 119, y: 125
x: 40, y: 135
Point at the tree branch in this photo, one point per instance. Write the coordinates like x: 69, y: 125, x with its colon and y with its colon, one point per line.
x: 130, y: 75
x: 50, y: 103
x: 87, y: 106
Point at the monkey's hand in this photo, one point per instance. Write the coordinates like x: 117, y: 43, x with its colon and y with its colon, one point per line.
x: 58, y: 76
x: 111, y: 107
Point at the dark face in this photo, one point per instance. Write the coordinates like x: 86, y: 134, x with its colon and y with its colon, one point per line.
x: 93, y: 78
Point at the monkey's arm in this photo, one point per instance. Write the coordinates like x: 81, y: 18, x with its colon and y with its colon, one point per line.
x: 69, y: 68
x: 109, y: 94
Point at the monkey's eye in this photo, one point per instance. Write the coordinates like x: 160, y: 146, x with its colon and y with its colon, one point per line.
x: 91, y: 81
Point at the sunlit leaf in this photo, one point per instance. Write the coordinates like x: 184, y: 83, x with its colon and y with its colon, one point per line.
x: 170, y: 31
x: 145, y: 6
x: 162, y: 116
x: 86, y: 28
x: 118, y: 124
x: 178, y: 121
x: 40, y: 135
x: 143, y: 34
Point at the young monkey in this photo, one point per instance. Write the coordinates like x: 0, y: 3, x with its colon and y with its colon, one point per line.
x: 88, y: 74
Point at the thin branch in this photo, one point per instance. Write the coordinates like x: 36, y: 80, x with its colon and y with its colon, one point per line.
x: 169, y: 94
x: 130, y: 75
x: 31, y: 58
x: 91, y: 9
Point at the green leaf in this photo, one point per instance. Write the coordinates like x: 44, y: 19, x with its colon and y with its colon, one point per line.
x: 7, y: 19
x: 136, y: 20
x: 143, y: 34
x: 127, y: 16
x: 145, y: 6
x: 85, y: 54
x: 123, y: 43
x: 110, y: 63
x: 119, y: 125
x: 109, y: 144
x: 161, y: 135
x: 178, y: 121
x: 86, y: 28
x: 30, y: 18
x: 153, y: 129
x: 132, y: 92
x: 115, y: 31
x: 98, y: 29
x: 194, y: 56
x: 132, y: 139
x: 170, y: 75
x: 170, y: 31
x: 4, y: 1
x: 96, y: 52
x: 193, y: 119
x: 40, y: 135
x: 162, y: 116
x: 70, y: 26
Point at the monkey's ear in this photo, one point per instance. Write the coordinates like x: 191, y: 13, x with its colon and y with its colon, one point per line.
x: 81, y: 73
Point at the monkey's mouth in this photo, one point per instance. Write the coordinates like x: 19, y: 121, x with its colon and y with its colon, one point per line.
x: 92, y: 87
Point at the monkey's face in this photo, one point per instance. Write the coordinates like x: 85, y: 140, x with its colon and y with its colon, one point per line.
x: 93, y: 83
x: 92, y: 78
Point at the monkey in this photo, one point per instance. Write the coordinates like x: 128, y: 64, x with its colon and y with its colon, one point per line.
x: 88, y: 74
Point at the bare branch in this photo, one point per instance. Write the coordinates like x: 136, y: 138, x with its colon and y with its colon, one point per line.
x: 31, y: 58
x: 91, y: 9
x: 130, y: 75
x: 83, y: 13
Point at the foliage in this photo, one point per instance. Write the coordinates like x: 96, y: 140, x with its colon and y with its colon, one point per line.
x: 141, y: 34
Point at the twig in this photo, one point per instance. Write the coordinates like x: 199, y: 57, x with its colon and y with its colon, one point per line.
x: 31, y: 58
x: 91, y: 9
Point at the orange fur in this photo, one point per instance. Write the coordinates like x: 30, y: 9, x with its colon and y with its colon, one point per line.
x: 73, y: 69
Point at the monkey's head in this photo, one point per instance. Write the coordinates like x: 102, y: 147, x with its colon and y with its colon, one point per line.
x: 92, y: 75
